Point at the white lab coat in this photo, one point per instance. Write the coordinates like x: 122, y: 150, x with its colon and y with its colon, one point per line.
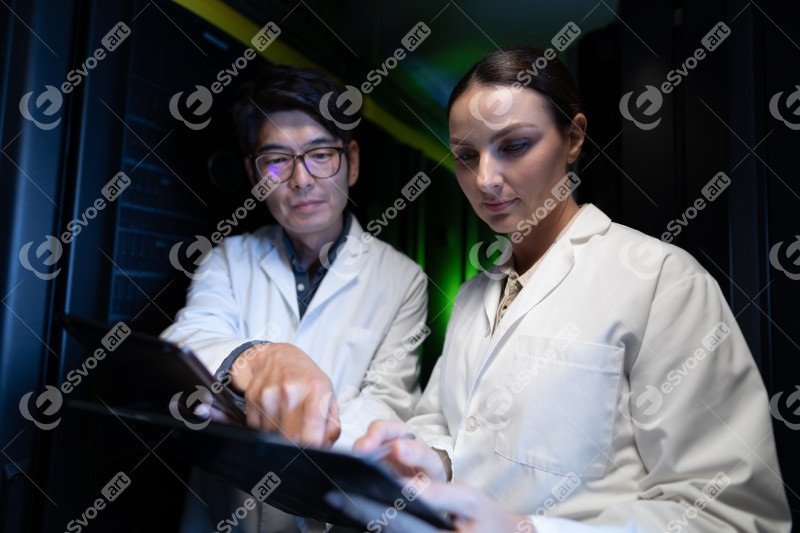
x: 608, y: 394
x: 370, y: 301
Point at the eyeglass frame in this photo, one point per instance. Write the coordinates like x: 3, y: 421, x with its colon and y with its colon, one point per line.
x: 341, y: 149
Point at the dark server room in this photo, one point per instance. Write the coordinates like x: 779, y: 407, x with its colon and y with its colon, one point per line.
x: 421, y: 266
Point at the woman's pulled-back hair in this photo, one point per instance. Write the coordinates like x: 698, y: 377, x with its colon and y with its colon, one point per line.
x: 526, y: 66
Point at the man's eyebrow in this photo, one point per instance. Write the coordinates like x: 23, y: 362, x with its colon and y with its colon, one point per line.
x: 325, y: 140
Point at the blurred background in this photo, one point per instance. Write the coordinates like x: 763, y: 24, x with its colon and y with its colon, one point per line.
x: 72, y: 118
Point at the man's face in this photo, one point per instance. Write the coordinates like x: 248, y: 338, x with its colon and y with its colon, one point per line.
x: 306, y: 205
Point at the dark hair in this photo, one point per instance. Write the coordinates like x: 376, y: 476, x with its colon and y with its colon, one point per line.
x: 526, y: 66
x: 285, y: 88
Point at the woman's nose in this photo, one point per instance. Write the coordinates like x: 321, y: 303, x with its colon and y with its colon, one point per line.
x: 489, y: 175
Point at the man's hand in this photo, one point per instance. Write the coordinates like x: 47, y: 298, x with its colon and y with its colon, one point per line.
x: 469, y: 509
x: 285, y: 390
x: 407, y: 456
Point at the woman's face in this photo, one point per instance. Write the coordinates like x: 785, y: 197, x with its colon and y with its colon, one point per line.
x: 510, y: 154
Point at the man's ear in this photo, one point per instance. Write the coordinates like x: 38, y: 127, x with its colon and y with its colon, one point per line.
x: 576, y: 135
x: 248, y: 165
x: 353, y: 162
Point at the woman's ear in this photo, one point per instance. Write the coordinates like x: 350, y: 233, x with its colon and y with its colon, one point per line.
x: 353, y: 162
x: 576, y: 135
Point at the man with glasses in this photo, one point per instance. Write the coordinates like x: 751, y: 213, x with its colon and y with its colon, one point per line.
x: 315, y: 323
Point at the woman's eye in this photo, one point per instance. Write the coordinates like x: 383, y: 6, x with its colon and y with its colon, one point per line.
x: 515, y: 147
x: 464, y: 158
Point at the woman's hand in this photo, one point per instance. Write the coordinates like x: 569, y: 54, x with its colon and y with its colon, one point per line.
x: 468, y: 508
x: 408, y: 456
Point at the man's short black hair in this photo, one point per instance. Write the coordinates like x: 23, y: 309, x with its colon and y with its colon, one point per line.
x: 285, y: 88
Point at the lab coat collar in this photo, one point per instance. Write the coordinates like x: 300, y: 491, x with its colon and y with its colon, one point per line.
x: 350, y: 259
x: 555, y: 266
x: 590, y: 221
x: 276, y: 264
x: 343, y: 272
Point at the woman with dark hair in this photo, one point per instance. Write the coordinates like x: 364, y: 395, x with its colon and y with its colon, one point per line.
x: 594, y: 379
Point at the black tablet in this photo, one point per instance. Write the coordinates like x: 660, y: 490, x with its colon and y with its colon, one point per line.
x: 273, y: 470
x: 144, y: 368
x: 282, y: 474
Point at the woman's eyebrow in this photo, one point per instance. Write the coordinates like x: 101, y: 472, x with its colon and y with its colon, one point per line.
x: 512, y: 127
x: 455, y: 141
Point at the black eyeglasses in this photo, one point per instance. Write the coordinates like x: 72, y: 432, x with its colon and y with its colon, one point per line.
x: 278, y: 167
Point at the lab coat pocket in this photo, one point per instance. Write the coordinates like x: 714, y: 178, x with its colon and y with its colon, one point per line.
x: 361, y: 338
x: 357, y: 346
x: 563, y: 404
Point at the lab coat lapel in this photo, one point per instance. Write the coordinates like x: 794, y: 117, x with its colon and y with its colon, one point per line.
x: 555, y: 266
x: 280, y: 273
x: 350, y: 260
x: 550, y: 273
x: 557, y: 263
x: 344, y: 270
x: 491, y: 296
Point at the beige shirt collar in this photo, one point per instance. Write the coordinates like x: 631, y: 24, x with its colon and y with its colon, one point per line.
x: 514, y: 282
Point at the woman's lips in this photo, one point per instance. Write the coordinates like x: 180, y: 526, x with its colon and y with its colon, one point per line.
x: 496, y: 206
